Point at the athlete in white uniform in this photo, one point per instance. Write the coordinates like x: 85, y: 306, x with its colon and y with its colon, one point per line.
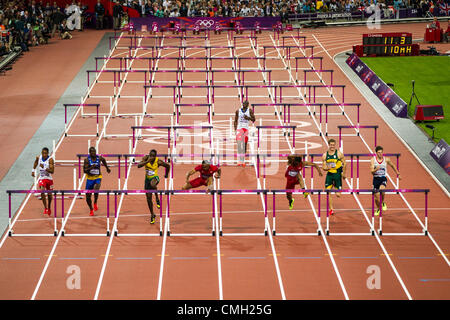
x: 378, y: 168
x: 46, y: 167
x: 241, y: 124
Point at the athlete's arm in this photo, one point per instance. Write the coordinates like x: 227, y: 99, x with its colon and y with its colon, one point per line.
x: 373, y: 167
x: 190, y: 173
x: 324, y: 163
x: 165, y: 165
x: 34, y: 166
x: 86, y: 166
x: 389, y: 162
x: 252, y: 116
x: 312, y: 164
x: 219, y: 173
x: 51, y: 166
x: 103, y: 160
x: 143, y: 162
x: 344, y: 165
x: 236, y: 116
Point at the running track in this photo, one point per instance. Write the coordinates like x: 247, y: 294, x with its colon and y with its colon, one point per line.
x: 233, y: 267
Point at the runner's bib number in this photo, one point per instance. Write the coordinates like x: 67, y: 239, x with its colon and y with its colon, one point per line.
x: 293, y: 173
x: 44, y: 173
x: 332, y: 164
x: 150, y: 172
x: 95, y: 172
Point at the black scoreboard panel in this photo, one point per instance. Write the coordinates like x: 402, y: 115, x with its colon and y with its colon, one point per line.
x: 389, y: 50
x: 387, y: 38
x: 387, y: 44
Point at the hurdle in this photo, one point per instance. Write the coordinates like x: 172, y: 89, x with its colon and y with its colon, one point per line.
x: 286, y: 109
x: 220, y: 193
x: 297, y: 191
x: 120, y: 59
x: 357, y: 127
x: 152, y: 62
x: 313, y: 94
x: 178, y: 106
x: 168, y: 157
x: 372, y: 225
x: 286, y: 50
x: 172, y: 194
x: 259, y: 128
x: 294, y: 37
x: 82, y: 105
x: 138, y: 192
x: 169, y: 128
x: 251, y: 38
x: 240, y: 59
x: 357, y: 105
x: 357, y: 156
x: 321, y: 71
x: 308, y: 59
x: 241, y: 75
x: 55, y: 197
x: 105, y: 155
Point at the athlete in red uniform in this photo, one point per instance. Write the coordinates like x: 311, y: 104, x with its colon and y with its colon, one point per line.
x: 45, y: 167
x: 207, y: 171
x: 294, y: 176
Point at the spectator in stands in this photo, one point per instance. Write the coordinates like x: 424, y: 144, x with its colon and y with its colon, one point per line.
x: 57, y: 17
x: 446, y: 33
x: 117, y: 14
x: 99, y: 15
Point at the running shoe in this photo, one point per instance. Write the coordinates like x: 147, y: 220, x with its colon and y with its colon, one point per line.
x: 152, y: 219
x: 331, y: 212
x: 95, y: 207
x: 49, y: 212
x: 158, y: 205
x: 291, y: 204
x: 306, y: 194
x: 384, y: 206
x: 91, y: 213
x: 243, y: 165
x: 377, y: 213
x: 45, y: 211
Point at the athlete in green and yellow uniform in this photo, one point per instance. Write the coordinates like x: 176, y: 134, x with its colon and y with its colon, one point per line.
x: 152, y: 163
x: 334, y: 164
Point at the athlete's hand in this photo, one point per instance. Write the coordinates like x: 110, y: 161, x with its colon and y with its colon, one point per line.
x: 217, y: 176
x: 41, y: 165
x: 108, y: 170
x: 32, y: 173
x: 344, y: 176
x: 398, y: 176
x: 320, y: 173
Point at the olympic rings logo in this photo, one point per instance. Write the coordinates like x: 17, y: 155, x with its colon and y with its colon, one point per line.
x: 205, y: 23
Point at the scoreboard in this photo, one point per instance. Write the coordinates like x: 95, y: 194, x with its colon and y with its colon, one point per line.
x: 387, y: 44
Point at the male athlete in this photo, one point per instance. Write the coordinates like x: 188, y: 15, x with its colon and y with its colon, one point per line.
x: 378, y: 168
x: 152, y: 163
x: 334, y: 164
x: 241, y: 119
x: 46, y: 169
x: 93, y: 173
x: 294, y: 175
x: 206, y: 171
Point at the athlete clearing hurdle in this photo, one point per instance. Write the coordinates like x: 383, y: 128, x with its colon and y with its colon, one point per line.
x: 378, y: 168
x: 152, y: 163
x: 93, y: 173
x: 241, y: 119
x: 334, y: 164
x: 294, y: 175
x: 207, y: 171
x: 46, y: 169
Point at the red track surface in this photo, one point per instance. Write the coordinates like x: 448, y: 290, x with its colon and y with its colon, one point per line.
x: 232, y: 267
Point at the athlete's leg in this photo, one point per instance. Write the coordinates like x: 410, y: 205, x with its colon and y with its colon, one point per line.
x: 50, y: 197
x: 187, y: 186
x: 43, y: 197
x: 150, y: 203
x: 96, y: 187
x: 89, y: 201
